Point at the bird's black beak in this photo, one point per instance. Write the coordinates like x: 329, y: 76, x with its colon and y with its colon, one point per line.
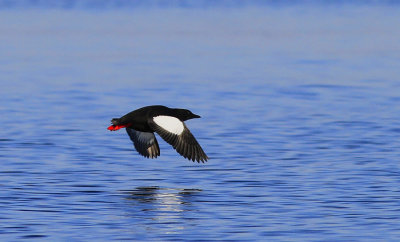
x: 196, y: 116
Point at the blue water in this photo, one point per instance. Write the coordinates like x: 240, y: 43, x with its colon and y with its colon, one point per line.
x: 300, y: 111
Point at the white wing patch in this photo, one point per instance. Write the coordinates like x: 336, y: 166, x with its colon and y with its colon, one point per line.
x: 171, y: 124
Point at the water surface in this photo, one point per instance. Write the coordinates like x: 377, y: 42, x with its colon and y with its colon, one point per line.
x: 300, y: 111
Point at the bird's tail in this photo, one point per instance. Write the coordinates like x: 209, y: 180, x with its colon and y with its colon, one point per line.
x: 115, y: 121
x: 116, y: 125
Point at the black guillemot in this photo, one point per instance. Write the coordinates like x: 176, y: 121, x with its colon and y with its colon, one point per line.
x: 166, y: 122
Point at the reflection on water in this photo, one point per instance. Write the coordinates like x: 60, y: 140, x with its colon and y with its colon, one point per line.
x: 163, y: 206
x: 161, y: 199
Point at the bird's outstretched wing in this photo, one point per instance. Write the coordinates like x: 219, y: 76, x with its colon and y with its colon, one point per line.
x: 175, y: 132
x: 145, y: 143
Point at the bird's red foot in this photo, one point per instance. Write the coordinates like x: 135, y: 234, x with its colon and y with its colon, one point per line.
x: 116, y: 127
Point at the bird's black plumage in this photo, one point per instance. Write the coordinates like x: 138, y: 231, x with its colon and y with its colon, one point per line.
x: 166, y: 122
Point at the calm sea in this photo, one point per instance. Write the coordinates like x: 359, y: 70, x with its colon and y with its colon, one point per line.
x: 300, y: 107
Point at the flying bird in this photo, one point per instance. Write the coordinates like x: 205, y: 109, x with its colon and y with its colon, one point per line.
x: 168, y: 123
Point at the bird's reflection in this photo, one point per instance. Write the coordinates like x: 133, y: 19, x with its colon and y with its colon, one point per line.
x: 162, y: 199
x: 165, y: 210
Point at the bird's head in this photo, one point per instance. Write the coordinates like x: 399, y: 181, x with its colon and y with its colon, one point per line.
x: 185, y: 114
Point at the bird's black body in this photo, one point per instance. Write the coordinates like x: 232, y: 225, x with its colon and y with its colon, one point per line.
x: 169, y: 123
x: 139, y: 117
